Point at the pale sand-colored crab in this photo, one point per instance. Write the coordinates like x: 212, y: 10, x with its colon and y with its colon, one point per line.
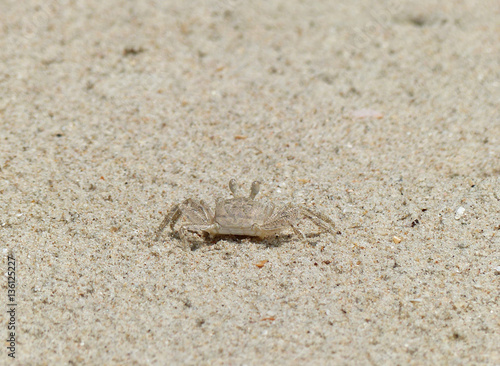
x: 240, y: 216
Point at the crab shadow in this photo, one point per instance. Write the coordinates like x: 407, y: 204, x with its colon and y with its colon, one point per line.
x: 269, y: 242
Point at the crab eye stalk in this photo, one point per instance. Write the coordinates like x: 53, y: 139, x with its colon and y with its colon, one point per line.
x: 255, y: 189
x: 232, y: 186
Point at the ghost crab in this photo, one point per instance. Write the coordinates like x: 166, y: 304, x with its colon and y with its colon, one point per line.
x: 240, y: 216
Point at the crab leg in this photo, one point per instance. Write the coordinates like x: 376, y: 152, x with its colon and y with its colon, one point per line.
x: 289, y: 215
x: 318, y: 218
x: 296, y: 231
x: 171, y: 217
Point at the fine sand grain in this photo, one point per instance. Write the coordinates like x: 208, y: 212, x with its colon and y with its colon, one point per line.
x: 382, y: 114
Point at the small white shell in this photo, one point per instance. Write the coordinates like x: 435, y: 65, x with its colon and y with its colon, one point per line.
x: 460, y: 212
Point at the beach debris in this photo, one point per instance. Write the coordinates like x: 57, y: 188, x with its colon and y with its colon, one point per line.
x: 396, y: 240
x: 269, y: 318
x: 241, y: 216
x: 132, y: 51
x: 261, y: 263
x: 459, y: 213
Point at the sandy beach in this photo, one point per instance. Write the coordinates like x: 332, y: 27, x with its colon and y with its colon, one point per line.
x: 383, y: 115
